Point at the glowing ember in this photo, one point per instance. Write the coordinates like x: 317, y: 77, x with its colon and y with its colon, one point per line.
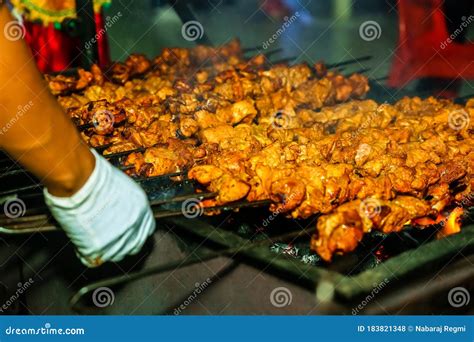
x: 452, y: 224
x: 428, y: 221
x: 381, y: 254
x: 449, y: 225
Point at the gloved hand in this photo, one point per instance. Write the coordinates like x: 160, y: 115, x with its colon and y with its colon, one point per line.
x: 107, y: 219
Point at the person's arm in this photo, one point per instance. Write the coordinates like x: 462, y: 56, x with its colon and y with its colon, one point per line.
x: 105, y: 214
x: 33, y: 127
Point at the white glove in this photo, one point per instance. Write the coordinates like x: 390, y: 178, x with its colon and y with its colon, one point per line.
x: 107, y: 219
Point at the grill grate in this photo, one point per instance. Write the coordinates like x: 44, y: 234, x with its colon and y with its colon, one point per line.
x: 422, y: 256
x: 281, y: 245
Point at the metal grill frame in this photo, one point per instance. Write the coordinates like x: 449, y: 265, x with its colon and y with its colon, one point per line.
x: 347, y: 287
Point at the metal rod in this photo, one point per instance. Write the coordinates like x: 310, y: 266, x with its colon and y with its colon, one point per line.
x: 463, y: 99
x: 16, y: 231
x: 251, y: 49
x: 268, y: 54
x: 167, y: 175
x: 126, y: 167
x: 349, y: 62
x: 67, y: 72
x: 85, y: 126
x: 13, y: 172
x: 160, y: 214
x: 124, y: 153
x: 23, y: 225
x: 137, y: 179
x: 29, y: 218
x: 7, y: 159
x: 184, y: 11
x: 379, y: 79
x: 360, y: 71
x: 103, y: 147
x: 177, y: 199
x: 17, y: 190
x: 339, y: 70
x: 284, y: 60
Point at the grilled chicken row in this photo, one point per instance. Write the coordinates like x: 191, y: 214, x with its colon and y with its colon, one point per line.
x: 297, y: 135
x: 407, y: 161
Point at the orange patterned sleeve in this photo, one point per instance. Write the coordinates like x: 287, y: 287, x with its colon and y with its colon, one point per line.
x: 50, y: 11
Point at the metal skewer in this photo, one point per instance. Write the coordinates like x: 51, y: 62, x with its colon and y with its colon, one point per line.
x: 360, y: 71
x: 85, y: 127
x: 349, y: 62
x: 43, y: 223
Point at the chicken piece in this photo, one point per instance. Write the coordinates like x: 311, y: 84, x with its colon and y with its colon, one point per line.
x: 156, y: 161
x: 243, y: 112
x: 229, y: 189
x: 202, y: 76
x: 320, y: 69
x: 316, y: 93
x: 188, y: 127
x: 138, y: 64
x: 217, y: 135
x: 205, y: 174
x: 122, y: 146
x: 60, y: 84
x: 72, y: 101
x: 342, y: 230
x: 288, y: 193
x: 206, y: 119
x: 119, y: 73
x: 290, y: 77
x: 138, y: 161
x: 97, y: 75
x: 96, y: 140
x: 158, y: 132
x: 161, y: 161
x: 339, y: 232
